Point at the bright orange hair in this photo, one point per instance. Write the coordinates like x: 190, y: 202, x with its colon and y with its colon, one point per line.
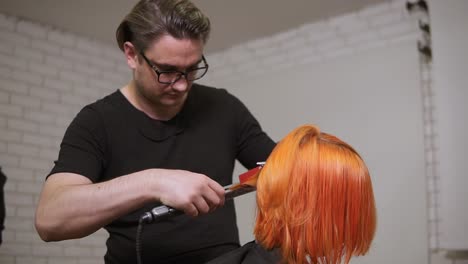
x: 315, y: 200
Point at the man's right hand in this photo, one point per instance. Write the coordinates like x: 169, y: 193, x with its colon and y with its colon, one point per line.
x: 190, y: 192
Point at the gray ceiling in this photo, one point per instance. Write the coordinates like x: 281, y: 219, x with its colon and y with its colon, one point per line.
x: 233, y: 21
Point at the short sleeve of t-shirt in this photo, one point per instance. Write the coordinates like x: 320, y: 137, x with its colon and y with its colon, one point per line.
x: 83, y: 146
x: 253, y: 144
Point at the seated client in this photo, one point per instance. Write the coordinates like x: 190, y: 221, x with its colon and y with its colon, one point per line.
x: 315, y: 203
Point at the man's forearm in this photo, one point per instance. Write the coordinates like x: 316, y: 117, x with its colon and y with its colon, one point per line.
x: 68, y: 211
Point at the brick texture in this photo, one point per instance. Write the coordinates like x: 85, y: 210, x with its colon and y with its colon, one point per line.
x: 46, y: 76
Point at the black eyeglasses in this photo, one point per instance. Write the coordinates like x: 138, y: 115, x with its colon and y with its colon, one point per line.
x: 170, y: 77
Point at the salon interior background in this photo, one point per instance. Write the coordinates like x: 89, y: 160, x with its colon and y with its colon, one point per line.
x: 354, y: 69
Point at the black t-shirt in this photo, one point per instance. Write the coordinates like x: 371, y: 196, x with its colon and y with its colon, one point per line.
x: 111, y: 138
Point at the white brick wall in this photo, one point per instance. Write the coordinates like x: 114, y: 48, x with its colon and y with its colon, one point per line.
x: 46, y: 76
x: 375, y: 26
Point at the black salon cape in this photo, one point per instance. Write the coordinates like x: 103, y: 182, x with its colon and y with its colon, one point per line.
x: 250, y: 253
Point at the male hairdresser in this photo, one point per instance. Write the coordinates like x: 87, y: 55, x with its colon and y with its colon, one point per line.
x: 162, y: 138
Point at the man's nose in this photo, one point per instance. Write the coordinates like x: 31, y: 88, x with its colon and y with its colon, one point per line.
x: 180, y: 85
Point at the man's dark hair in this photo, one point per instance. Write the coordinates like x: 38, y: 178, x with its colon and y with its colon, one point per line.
x: 151, y: 19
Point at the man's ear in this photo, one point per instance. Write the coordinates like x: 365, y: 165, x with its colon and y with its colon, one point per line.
x: 131, y: 54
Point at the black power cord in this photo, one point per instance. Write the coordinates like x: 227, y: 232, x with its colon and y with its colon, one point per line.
x: 138, y: 237
x: 158, y: 213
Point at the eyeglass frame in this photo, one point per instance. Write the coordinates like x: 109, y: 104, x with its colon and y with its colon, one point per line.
x: 181, y: 73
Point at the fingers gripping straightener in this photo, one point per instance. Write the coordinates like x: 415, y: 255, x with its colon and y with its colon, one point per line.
x: 231, y: 191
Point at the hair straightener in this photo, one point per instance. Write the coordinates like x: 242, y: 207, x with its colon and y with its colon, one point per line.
x: 246, y: 184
